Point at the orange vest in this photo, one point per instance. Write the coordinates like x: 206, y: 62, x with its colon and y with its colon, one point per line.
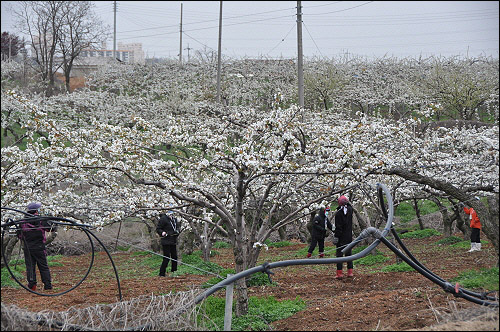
x: 474, y: 219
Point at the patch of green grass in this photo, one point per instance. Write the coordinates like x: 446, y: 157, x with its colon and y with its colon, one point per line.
x: 256, y: 279
x: 484, y: 278
x: 372, y: 260
x: 221, y: 244
x: 261, y: 312
x: 406, y: 212
x: 279, y: 244
x: 53, y: 260
x: 190, y: 264
x: 420, y: 234
x: 465, y: 244
x: 450, y: 240
x: 398, y: 267
x: 18, y: 272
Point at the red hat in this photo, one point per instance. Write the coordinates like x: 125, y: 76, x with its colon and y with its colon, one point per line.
x: 343, y: 200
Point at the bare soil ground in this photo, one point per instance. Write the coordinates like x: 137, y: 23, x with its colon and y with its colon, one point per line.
x: 371, y: 300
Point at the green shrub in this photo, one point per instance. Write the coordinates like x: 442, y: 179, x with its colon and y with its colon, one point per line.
x: 419, y: 234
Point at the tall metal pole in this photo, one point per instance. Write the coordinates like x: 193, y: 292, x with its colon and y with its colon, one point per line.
x: 114, y: 34
x: 180, y: 45
x: 219, y: 55
x: 300, y: 65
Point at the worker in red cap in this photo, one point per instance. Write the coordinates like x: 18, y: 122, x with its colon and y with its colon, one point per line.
x: 343, y: 233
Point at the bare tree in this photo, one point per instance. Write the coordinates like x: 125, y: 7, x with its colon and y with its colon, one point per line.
x: 58, y: 31
x: 41, y: 21
x: 81, y: 29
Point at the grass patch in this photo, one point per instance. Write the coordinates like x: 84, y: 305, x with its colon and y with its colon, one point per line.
x: 190, y: 264
x: 372, y: 260
x: 261, y: 312
x: 450, y: 240
x: 406, y: 212
x: 484, y: 278
x: 279, y: 244
x: 465, y: 244
x: 221, y: 244
x: 398, y: 267
x: 420, y: 234
x: 256, y: 279
x: 18, y: 272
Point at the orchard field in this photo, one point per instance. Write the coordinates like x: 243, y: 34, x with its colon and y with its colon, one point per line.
x: 141, y: 139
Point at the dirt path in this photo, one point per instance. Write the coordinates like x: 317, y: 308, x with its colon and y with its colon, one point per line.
x: 372, y: 300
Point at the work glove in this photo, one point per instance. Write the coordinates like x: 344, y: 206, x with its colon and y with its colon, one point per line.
x: 335, y: 240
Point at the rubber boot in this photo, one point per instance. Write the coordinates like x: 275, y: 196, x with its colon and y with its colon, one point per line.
x: 33, y: 288
x: 321, y: 254
x: 472, y: 247
x: 339, y: 274
x: 308, y: 255
x: 349, y: 273
x: 478, y: 246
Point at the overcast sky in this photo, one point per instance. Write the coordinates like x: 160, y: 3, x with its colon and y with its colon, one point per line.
x: 330, y: 28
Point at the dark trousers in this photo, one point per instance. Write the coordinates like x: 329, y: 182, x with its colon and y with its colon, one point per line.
x: 33, y: 258
x: 169, y: 254
x: 319, y: 242
x: 474, y: 235
x: 341, y: 254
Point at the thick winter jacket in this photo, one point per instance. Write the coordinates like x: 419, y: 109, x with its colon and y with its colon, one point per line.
x: 343, y: 224
x: 169, y: 225
x: 320, y: 224
x: 33, y: 233
x: 474, y: 219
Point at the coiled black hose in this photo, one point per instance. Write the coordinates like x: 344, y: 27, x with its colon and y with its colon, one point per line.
x: 63, y: 222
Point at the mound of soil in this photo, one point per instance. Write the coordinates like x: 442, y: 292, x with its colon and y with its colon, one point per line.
x: 371, y: 300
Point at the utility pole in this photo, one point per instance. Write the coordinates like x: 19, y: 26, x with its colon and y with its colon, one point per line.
x: 180, y: 43
x: 188, y: 49
x: 219, y: 55
x: 300, y: 66
x: 114, y: 34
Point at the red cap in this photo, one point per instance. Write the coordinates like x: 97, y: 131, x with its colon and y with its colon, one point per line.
x: 343, y: 200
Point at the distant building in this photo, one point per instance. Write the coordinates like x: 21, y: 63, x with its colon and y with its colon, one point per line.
x: 129, y: 53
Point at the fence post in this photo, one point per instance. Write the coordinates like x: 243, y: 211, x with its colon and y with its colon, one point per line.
x: 228, y: 313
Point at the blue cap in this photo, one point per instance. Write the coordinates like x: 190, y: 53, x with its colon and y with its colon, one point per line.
x: 33, y: 206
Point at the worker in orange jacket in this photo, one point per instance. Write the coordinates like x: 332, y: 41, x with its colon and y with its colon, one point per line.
x: 475, y: 225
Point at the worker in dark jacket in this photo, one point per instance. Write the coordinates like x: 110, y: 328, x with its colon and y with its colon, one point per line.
x: 318, y: 233
x: 343, y: 233
x: 168, y: 229
x: 32, y: 234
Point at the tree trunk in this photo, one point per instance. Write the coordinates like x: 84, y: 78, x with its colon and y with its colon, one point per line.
x: 489, y: 221
x: 240, y: 285
x: 8, y: 244
x: 447, y: 220
x: 417, y: 212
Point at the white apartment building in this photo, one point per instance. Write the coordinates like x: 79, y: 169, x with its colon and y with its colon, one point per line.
x: 129, y: 53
